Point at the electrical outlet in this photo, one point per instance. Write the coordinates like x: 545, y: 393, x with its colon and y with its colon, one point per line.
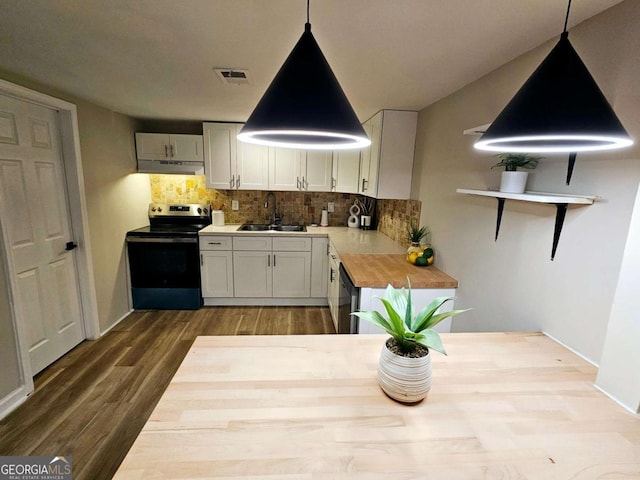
x: 235, y: 205
x: 331, y: 207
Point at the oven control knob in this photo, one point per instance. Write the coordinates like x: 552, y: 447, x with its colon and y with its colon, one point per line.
x: 153, y: 209
x: 206, y: 211
x: 199, y: 211
x: 159, y: 209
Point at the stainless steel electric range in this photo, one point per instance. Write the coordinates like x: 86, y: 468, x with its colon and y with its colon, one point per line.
x: 164, y: 259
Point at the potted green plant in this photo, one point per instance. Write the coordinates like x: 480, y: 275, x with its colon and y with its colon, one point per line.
x: 415, y: 235
x: 404, y: 370
x: 512, y: 180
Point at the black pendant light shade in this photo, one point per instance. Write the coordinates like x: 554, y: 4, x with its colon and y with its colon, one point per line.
x: 305, y: 107
x: 559, y: 109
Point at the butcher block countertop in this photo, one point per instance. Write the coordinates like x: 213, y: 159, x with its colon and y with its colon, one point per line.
x: 502, y: 405
x: 377, y: 271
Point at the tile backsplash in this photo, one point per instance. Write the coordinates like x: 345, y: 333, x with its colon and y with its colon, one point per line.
x: 393, y: 216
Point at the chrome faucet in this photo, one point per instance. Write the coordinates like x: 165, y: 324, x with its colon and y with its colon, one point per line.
x: 275, y: 219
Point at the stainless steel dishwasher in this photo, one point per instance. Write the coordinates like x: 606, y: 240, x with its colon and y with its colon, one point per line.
x: 349, y: 301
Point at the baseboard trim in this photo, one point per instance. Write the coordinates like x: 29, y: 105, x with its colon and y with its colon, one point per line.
x: 12, y: 401
x: 266, y: 302
x: 116, y: 322
x: 626, y: 407
x: 571, y: 349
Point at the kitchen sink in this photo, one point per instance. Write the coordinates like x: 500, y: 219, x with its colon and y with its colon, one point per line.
x: 254, y: 227
x: 289, y: 228
x: 263, y: 227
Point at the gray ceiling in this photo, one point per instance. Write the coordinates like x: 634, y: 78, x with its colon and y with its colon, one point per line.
x: 155, y: 58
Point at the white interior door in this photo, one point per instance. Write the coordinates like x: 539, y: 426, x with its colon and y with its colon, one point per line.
x: 34, y: 210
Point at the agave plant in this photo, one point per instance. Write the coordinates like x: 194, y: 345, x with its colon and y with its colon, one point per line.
x: 408, y: 330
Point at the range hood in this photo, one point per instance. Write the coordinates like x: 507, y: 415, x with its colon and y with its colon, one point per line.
x: 171, y: 166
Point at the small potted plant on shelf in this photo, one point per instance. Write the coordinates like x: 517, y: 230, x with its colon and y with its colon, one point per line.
x: 512, y: 180
x: 404, y: 369
x: 416, y: 250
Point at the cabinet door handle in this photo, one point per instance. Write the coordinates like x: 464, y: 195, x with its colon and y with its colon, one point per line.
x: 173, y: 153
x: 215, y: 243
x: 364, y: 181
x: 305, y: 184
x: 274, y: 259
x: 232, y: 181
x: 238, y: 182
x: 333, y: 184
x: 298, y: 183
x: 332, y: 277
x: 166, y: 150
x: 201, y: 260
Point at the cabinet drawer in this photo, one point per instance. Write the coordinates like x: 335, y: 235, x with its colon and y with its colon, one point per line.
x: 292, y: 244
x: 215, y: 242
x: 250, y: 242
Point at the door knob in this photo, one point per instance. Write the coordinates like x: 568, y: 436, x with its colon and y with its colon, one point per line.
x: 70, y: 246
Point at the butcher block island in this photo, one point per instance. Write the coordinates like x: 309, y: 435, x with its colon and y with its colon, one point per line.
x: 502, y: 405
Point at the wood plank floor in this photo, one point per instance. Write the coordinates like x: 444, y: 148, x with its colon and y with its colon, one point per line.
x: 92, y: 403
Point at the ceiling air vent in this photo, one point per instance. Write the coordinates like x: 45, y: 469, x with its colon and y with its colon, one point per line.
x: 233, y: 76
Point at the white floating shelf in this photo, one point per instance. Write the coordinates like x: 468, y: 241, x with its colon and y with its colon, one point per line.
x: 479, y: 130
x: 560, y: 200
x: 538, y: 197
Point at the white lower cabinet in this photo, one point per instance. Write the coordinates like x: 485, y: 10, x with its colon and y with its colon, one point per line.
x: 319, y: 266
x: 216, y: 266
x: 333, y: 283
x: 249, y: 269
x: 291, y: 274
x: 267, y: 267
x: 252, y: 274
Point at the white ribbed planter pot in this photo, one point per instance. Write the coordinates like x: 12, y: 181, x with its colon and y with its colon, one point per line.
x: 404, y: 379
x: 513, y: 182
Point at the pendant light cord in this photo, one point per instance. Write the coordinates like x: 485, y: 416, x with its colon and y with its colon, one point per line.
x: 566, y: 19
x: 307, y: 26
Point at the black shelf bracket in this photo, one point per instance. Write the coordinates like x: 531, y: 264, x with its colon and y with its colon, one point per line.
x: 561, y: 211
x: 572, y: 162
x: 499, y: 219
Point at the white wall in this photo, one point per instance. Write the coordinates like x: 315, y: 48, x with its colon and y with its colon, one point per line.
x: 117, y: 200
x: 618, y: 373
x: 511, y: 284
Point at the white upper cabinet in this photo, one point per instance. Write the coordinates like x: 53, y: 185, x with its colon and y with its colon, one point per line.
x: 230, y: 164
x: 369, y: 159
x: 300, y: 170
x: 252, y: 166
x: 317, y: 176
x: 386, y: 166
x: 285, y: 171
x: 346, y: 171
x: 383, y: 170
x: 161, y: 146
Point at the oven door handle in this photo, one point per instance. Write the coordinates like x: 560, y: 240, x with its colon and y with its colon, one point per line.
x: 161, y: 240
